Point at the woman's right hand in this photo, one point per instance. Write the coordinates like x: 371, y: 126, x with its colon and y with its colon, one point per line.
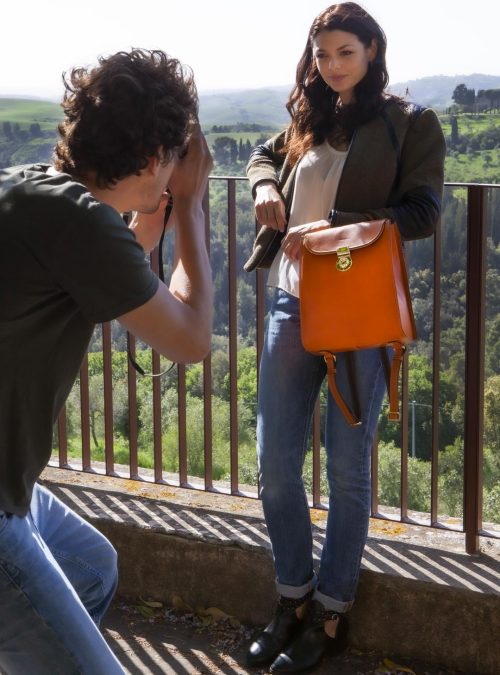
x: 269, y: 207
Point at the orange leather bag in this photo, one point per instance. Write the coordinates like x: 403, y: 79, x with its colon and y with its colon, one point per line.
x: 354, y: 295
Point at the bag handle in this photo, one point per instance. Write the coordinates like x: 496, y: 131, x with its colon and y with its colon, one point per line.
x: 394, y: 414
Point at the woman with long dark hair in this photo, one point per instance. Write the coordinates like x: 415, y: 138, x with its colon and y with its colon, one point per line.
x: 351, y: 153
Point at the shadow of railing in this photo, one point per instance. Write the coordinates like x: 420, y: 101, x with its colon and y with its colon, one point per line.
x: 409, y: 559
x: 477, y: 225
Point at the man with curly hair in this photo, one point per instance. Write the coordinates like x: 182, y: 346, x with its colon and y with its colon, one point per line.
x: 67, y: 262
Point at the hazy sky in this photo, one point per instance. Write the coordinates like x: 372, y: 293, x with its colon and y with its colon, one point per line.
x: 234, y: 43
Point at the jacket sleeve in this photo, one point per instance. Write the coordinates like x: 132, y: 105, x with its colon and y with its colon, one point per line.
x: 416, y: 204
x: 266, y: 161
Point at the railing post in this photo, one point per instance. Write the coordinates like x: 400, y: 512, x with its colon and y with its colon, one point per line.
x: 436, y: 369
x: 474, y: 365
x: 233, y: 333
x: 85, y: 413
x: 107, y: 364
x: 62, y: 433
x: 132, y: 411
x: 207, y: 376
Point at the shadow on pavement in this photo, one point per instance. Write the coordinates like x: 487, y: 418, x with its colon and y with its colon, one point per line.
x: 159, y: 640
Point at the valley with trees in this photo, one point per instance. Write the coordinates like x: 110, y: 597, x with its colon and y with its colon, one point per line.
x: 470, y: 117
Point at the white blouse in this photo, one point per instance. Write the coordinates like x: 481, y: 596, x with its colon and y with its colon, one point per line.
x: 316, y: 183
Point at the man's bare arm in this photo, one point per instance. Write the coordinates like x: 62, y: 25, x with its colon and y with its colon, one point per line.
x: 177, y: 321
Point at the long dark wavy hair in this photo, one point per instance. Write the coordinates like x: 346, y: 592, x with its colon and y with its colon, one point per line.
x: 130, y: 107
x: 313, y: 105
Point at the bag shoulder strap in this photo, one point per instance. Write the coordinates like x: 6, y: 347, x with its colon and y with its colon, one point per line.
x: 331, y: 367
x: 399, y: 350
x: 414, y: 111
x: 393, y: 390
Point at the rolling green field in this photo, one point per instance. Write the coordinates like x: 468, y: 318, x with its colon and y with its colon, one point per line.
x: 470, y: 124
x: 26, y: 111
x: 482, y: 168
x: 473, y: 159
x: 252, y: 136
x: 476, y: 156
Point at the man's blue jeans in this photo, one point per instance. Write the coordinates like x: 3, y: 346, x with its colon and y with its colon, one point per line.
x: 58, y: 575
x: 289, y: 384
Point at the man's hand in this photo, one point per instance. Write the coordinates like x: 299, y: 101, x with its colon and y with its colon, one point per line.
x: 187, y: 184
x: 291, y: 241
x: 189, y: 178
x: 269, y: 207
x: 177, y: 321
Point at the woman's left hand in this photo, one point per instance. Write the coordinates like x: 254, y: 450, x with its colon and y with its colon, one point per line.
x: 293, y: 237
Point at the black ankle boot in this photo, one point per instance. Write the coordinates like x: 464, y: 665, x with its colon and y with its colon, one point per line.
x: 274, y: 638
x: 311, y: 642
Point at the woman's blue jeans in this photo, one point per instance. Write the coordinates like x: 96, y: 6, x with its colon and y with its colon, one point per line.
x: 58, y: 575
x: 289, y: 384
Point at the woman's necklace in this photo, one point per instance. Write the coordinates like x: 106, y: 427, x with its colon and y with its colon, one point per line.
x: 337, y: 140
x: 336, y: 137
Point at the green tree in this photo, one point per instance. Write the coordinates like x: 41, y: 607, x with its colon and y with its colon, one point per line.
x: 492, y: 413
x: 454, y: 131
x: 492, y: 96
x: 225, y: 150
x: 463, y: 96
x: 35, y: 130
x: 221, y: 149
x: 389, y: 477
x: 7, y: 130
x: 246, y: 310
x: 247, y: 378
x: 492, y: 356
x: 233, y: 151
x: 451, y: 479
x: 491, y: 505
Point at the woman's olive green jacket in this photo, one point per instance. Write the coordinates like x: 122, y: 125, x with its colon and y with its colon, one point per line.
x: 394, y: 169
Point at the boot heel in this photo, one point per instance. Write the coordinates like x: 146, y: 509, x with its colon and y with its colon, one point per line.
x: 277, y: 635
x: 312, y: 643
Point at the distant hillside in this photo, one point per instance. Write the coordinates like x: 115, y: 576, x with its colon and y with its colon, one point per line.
x: 436, y: 91
x: 259, y: 106
x: 267, y: 106
x: 25, y: 111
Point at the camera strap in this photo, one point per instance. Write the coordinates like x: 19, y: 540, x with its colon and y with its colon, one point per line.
x: 161, y: 275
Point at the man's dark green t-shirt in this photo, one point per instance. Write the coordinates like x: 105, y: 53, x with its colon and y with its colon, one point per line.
x: 67, y: 262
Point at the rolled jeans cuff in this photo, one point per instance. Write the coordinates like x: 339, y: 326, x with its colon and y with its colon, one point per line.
x: 296, y: 592
x: 332, y: 604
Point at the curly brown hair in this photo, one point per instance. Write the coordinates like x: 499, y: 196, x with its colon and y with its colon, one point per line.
x: 130, y: 107
x: 312, y: 104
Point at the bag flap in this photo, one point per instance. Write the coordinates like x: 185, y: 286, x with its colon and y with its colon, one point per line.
x: 353, y: 236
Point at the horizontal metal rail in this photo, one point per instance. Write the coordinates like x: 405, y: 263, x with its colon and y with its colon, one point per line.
x: 474, y: 350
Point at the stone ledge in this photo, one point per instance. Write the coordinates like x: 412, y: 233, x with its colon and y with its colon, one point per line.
x: 420, y: 595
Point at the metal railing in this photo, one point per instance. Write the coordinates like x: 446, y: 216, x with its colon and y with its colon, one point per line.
x: 474, y: 351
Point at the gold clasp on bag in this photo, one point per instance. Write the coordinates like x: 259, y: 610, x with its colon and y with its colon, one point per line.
x: 344, y: 260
